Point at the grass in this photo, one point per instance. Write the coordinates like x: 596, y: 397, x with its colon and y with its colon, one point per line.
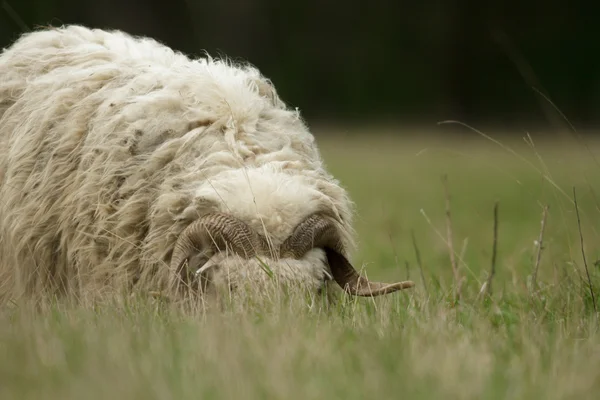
x: 520, y: 342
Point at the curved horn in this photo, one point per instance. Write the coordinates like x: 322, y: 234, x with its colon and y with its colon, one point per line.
x: 320, y: 231
x: 215, y: 232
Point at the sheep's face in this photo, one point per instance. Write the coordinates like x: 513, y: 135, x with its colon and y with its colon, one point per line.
x: 264, y: 226
x: 228, y: 274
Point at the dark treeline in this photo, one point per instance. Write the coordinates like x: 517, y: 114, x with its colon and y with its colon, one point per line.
x: 418, y: 62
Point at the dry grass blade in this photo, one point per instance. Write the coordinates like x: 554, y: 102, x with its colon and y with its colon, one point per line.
x: 513, y: 152
x: 583, y: 251
x: 540, y: 242
x: 494, y: 251
x: 15, y: 16
x: 455, y: 272
x: 418, y: 256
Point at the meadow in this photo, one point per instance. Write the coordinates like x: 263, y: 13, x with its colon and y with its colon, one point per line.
x: 532, y: 334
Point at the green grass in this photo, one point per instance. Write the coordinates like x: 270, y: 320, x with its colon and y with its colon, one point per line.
x: 522, y: 342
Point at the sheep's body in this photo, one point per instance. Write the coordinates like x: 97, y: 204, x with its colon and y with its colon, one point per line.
x: 111, y: 145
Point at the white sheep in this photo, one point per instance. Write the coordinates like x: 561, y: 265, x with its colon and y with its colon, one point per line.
x: 126, y: 164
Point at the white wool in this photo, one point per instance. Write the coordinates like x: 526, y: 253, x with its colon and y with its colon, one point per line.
x: 110, y: 145
x: 264, y: 197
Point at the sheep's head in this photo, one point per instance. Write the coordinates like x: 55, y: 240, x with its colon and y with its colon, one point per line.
x: 215, y: 233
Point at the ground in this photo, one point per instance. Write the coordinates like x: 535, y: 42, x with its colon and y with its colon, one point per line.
x: 527, y: 340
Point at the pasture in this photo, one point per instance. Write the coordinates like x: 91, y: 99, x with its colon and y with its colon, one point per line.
x: 535, y: 336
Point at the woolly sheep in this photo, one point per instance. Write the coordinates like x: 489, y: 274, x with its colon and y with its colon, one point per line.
x: 125, y: 164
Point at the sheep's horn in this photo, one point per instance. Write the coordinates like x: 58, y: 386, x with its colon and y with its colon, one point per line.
x: 348, y: 278
x: 318, y: 231
x: 215, y: 232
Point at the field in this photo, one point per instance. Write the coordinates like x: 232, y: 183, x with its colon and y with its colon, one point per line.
x: 532, y: 337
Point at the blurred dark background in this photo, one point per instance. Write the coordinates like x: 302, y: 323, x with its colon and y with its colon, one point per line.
x: 490, y: 63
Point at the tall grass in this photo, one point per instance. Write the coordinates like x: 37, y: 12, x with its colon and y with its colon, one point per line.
x: 526, y: 340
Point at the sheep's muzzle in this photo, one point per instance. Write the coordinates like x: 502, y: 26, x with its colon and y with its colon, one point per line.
x: 217, y: 232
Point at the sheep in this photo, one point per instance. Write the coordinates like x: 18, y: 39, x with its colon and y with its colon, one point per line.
x: 127, y: 165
